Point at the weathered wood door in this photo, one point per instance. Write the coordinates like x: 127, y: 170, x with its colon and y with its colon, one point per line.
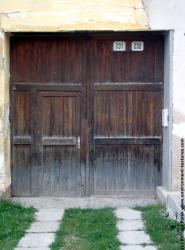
x: 127, y: 99
x: 48, y: 112
x: 85, y: 119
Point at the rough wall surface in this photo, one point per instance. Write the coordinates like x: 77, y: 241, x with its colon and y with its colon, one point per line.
x: 65, y: 15
x: 55, y: 16
x: 166, y: 15
x: 4, y: 113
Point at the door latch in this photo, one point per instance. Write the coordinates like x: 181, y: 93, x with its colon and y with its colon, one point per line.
x: 78, y: 142
x: 165, y: 117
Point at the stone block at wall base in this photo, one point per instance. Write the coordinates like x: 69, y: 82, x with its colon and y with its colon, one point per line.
x: 162, y: 194
x: 172, y: 202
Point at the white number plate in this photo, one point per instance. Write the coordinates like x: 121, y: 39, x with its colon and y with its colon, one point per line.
x: 137, y: 46
x: 119, y: 46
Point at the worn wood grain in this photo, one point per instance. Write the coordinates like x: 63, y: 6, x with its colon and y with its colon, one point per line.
x: 126, y: 118
x: 85, y: 119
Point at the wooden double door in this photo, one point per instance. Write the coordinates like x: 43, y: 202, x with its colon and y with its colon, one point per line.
x: 86, y: 120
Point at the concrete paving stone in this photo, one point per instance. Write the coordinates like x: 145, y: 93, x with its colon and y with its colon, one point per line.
x: 137, y: 247
x: 134, y: 237
x: 44, y: 227
x: 49, y: 214
x: 130, y: 225
x: 128, y: 214
x: 35, y: 240
x: 32, y: 248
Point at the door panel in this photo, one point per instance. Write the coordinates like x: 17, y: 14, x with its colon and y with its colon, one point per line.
x: 127, y: 142
x: 46, y: 60
x: 60, y: 115
x: 60, y: 171
x: 127, y: 98
x: 22, y: 114
x: 60, y: 122
x: 127, y: 66
x: 21, y: 172
x: 127, y: 113
x: 126, y: 169
x: 48, y: 100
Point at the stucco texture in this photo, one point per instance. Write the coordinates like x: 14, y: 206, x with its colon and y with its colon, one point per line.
x: 4, y: 113
x: 67, y: 15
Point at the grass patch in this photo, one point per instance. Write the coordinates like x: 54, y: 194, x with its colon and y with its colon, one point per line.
x: 164, y: 231
x: 14, y: 220
x: 87, y: 229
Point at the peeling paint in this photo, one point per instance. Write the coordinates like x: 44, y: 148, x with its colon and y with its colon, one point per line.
x: 2, y: 35
x: 2, y: 48
x: 2, y: 169
x: 17, y: 14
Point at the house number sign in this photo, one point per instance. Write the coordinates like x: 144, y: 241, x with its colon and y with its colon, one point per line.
x: 119, y: 46
x: 137, y: 46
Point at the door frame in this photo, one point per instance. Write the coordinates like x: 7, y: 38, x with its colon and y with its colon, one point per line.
x: 168, y: 80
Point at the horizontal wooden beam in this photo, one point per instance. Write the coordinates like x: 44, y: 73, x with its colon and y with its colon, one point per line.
x: 128, y: 86
x: 56, y: 141
x: 27, y: 140
x: 56, y: 93
x: 127, y: 140
x: 22, y: 140
x: 48, y: 86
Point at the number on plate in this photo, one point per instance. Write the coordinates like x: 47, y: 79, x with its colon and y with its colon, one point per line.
x: 137, y: 46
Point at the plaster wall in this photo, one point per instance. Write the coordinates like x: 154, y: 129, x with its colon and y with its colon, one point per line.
x: 67, y: 15
x: 170, y: 15
x: 4, y: 113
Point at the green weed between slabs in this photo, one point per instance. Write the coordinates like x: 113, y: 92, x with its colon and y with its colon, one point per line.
x: 87, y: 229
x: 14, y: 220
x: 164, y: 232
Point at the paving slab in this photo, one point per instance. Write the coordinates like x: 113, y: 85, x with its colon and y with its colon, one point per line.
x: 134, y: 237
x: 128, y: 214
x: 32, y: 248
x: 35, y: 240
x: 42, y: 232
x: 49, y: 214
x: 130, y: 225
x: 137, y: 247
x: 44, y: 227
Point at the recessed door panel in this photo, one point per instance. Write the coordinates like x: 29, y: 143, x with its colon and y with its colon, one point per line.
x: 60, y: 170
